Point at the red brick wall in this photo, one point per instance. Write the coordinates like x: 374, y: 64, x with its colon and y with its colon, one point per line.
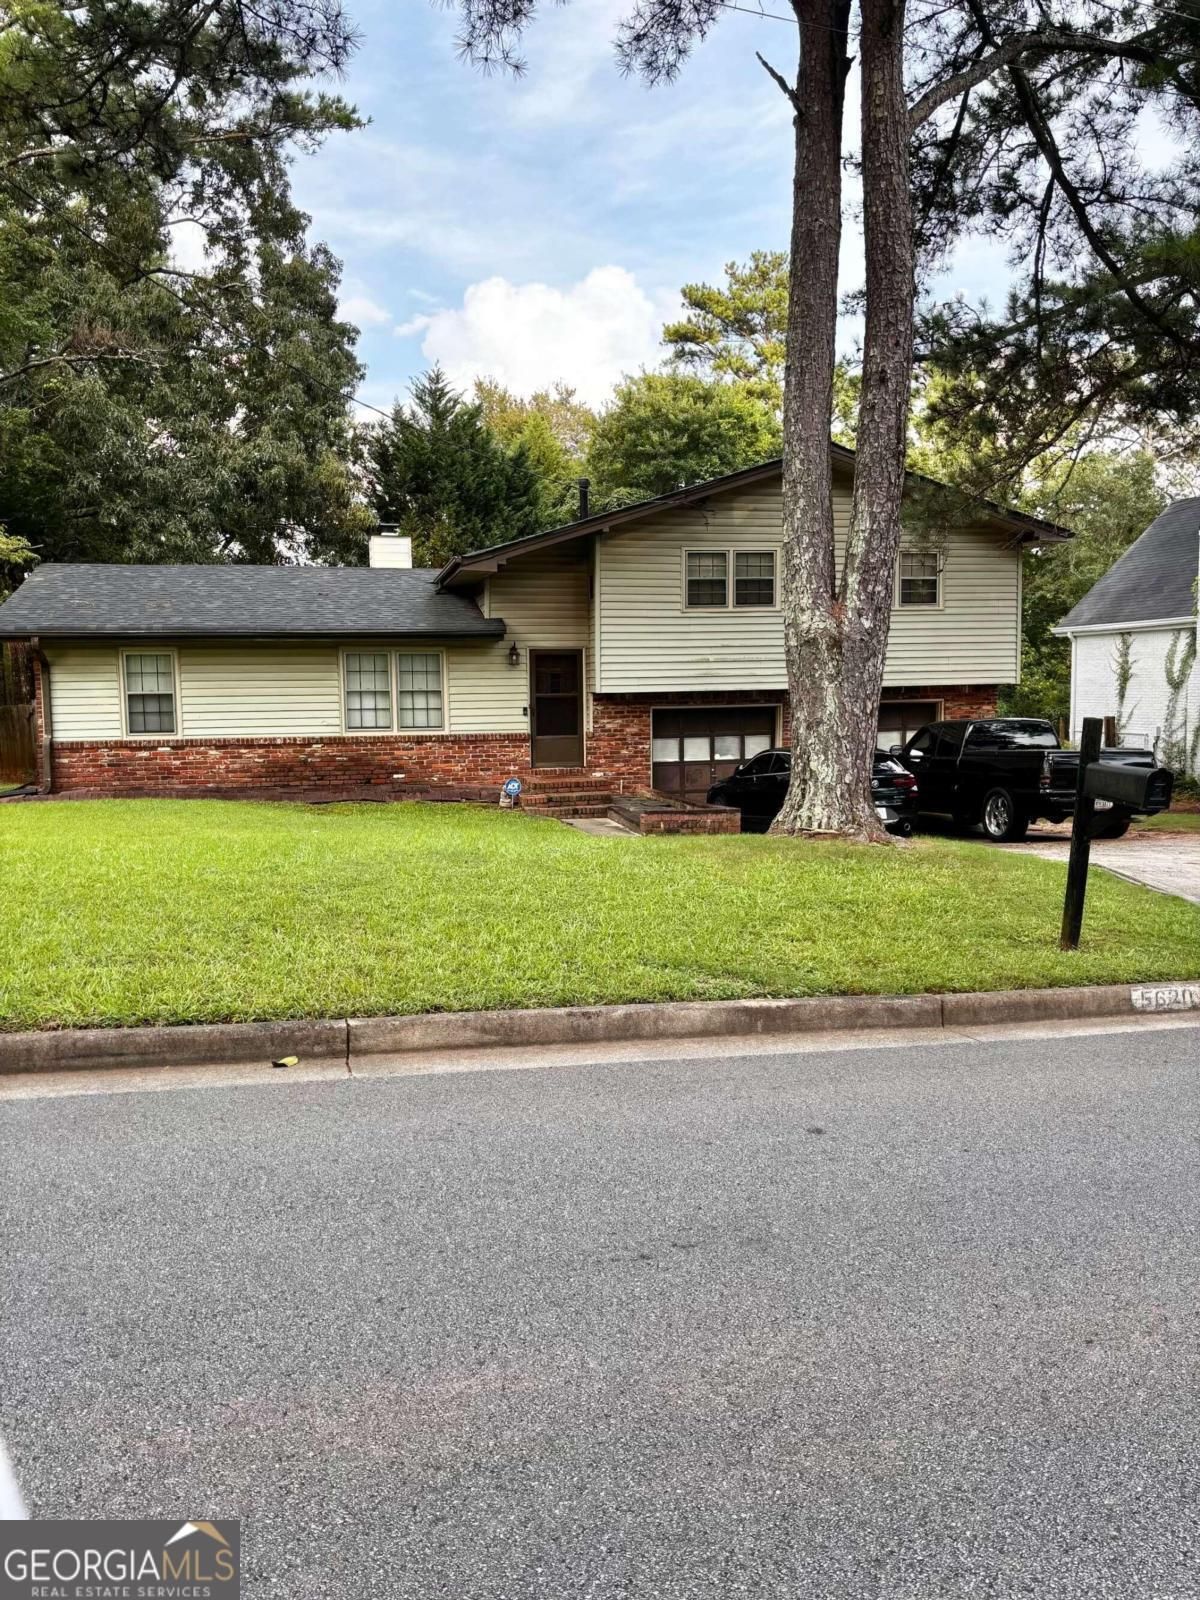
x: 126, y: 766
x: 618, y: 748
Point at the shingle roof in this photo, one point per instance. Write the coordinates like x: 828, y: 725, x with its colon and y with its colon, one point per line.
x: 1154, y: 579
x: 89, y: 600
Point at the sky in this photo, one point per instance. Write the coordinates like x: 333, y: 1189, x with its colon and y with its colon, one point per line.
x: 540, y: 228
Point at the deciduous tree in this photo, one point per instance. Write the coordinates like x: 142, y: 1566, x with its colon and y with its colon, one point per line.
x: 665, y: 429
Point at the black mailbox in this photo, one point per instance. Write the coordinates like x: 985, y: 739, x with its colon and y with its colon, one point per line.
x: 1145, y: 789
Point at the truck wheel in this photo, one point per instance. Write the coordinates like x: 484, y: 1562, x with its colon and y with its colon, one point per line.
x: 1115, y: 830
x: 1003, y: 822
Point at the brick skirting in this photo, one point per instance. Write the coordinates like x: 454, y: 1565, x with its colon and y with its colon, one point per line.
x: 190, y: 766
x: 618, y: 749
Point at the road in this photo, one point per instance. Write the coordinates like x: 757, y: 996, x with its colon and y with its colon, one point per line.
x: 888, y: 1323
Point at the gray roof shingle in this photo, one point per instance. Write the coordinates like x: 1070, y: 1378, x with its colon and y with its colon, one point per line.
x: 90, y: 600
x: 1154, y: 579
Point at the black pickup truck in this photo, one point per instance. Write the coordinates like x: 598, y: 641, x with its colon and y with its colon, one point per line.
x: 1002, y: 773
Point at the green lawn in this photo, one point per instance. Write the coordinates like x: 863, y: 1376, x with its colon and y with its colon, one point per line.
x: 182, y: 911
x: 1169, y: 822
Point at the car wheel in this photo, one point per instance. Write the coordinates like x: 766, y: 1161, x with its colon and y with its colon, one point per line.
x: 1115, y: 830
x: 902, y: 829
x: 1003, y: 822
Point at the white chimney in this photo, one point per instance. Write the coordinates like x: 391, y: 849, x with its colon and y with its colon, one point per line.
x: 390, y: 550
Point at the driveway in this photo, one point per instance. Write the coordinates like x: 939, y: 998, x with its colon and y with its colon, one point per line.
x: 873, y: 1325
x: 1169, y: 862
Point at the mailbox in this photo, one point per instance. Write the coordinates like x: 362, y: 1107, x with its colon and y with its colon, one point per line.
x: 1145, y: 789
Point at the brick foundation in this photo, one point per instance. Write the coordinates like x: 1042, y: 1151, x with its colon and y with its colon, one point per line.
x: 280, y: 766
x: 618, y: 750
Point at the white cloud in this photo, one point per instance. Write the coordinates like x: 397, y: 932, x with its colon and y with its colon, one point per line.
x: 362, y: 311
x: 528, y: 335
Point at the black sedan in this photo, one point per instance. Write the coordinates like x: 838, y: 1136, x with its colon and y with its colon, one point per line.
x: 757, y: 789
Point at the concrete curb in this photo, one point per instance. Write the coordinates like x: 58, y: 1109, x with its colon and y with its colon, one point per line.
x: 345, y: 1039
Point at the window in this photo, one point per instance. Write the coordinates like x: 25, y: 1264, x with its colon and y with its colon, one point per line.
x: 1012, y: 734
x: 754, y: 578
x: 707, y: 578
x: 419, y: 689
x: 368, y: 690
x: 920, y: 578
x: 150, y: 692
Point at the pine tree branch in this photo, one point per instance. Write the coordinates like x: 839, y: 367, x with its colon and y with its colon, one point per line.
x: 780, y: 80
x: 1019, y: 46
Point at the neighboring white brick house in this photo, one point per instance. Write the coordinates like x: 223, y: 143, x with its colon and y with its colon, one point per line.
x: 1143, y: 613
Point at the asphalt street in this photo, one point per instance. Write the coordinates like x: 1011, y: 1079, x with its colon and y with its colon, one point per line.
x: 888, y: 1323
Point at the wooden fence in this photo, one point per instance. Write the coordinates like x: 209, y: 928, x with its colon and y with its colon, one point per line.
x: 17, y: 757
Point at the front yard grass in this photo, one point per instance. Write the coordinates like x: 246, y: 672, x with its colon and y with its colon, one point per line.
x: 122, y: 912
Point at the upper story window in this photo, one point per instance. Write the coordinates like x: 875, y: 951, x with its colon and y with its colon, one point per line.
x: 150, y: 691
x: 707, y: 578
x: 754, y: 578
x: 718, y: 579
x: 920, y: 578
x: 412, y: 679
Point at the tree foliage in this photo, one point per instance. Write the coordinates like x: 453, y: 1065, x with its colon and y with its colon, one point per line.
x: 664, y: 430
x: 148, y: 410
x: 441, y: 475
x: 554, y: 428
x: 1109, y: 499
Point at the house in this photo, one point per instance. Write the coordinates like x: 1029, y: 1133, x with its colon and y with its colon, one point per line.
x: 632, y: 648
x: 1134, y: 642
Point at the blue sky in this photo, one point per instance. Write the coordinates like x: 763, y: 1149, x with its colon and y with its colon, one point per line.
x: 540, y: 228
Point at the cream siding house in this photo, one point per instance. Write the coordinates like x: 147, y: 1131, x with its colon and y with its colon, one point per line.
x: 635, y: 647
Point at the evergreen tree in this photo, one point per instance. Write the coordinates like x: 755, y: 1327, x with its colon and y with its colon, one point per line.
x: 441, y: 475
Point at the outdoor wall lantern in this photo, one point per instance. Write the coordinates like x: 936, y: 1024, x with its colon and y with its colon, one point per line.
x: 514, y: 656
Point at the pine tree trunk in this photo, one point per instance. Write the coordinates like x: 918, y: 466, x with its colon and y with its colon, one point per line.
x: 835, y: 629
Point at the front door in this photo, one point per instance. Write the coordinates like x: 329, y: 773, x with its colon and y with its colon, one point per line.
x: 556, y: 707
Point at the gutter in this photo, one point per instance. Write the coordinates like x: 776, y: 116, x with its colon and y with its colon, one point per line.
x: 1143, y: 625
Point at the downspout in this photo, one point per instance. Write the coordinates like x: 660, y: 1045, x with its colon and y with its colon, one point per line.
x: 43, y: 719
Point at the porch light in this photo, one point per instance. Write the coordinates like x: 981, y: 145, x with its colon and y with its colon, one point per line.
x: 514, y: 655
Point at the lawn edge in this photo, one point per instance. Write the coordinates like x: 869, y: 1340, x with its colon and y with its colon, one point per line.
x: 346, y: 1039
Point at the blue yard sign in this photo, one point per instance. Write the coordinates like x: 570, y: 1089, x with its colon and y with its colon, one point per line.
x: 513, y: 787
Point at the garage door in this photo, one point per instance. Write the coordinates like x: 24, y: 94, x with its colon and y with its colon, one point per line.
x: 694, y: 746
x: 900, y: 719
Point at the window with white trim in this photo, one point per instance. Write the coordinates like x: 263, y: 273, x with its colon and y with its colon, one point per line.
x: 746, y: 580
x: 754, y: 578
x: 707, y: 578
x: 149, y: 691
x: 419, y: 689
x: 920, y: 578
x: 368, y: 689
